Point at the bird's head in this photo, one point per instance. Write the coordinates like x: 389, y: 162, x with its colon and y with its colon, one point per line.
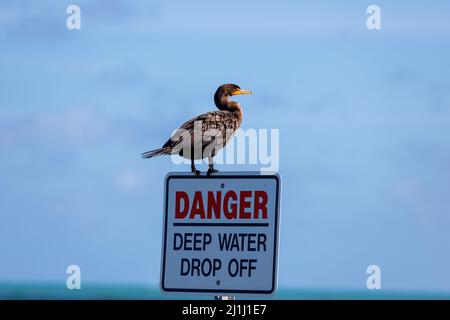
x: 224, y: 92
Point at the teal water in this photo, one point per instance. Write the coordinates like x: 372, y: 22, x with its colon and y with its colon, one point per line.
x: 100, y: 291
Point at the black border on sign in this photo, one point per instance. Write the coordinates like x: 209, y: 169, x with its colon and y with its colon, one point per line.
x: 275, y: 247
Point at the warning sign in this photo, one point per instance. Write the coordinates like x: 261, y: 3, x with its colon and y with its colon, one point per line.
x: 220, y: 233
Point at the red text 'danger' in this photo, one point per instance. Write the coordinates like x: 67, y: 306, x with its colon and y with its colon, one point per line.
x: 214, y: 204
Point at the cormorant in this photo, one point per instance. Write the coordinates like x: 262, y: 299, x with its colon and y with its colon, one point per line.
x: 216, y: 129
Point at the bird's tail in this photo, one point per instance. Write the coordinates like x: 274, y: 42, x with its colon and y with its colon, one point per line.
x: 156, y: 152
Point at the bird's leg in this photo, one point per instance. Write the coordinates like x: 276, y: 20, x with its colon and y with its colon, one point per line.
x: 211, y: 166
x: 195, y: 171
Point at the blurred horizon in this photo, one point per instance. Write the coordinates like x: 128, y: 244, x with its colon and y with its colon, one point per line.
x: 139, y: 292
x: 364, y: 120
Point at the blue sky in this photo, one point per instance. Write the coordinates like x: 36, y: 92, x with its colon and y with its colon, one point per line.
x: 364, y: 119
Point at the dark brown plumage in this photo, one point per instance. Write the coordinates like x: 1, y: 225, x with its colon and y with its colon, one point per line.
x: 206, y: 134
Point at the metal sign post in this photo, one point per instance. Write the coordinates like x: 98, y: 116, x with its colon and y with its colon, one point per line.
x: 220, y: 234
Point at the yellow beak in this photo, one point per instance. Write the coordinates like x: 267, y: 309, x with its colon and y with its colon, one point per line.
x: 240, y: 91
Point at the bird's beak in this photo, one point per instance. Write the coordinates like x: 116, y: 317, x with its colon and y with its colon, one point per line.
x: 241, y: 91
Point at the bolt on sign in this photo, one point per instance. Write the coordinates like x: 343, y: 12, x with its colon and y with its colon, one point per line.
x: 220, y: 233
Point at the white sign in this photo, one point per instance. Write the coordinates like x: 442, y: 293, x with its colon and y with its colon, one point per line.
x: 221, y: 233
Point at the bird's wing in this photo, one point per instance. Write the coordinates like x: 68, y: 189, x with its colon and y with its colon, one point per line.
x: 215, y: 126
x: 204, y: 128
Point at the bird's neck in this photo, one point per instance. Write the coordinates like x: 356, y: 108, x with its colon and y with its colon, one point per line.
x: 223, y: 103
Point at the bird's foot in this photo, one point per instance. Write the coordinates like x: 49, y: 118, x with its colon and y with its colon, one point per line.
x: 194, y: 170
x: 211, y: 170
